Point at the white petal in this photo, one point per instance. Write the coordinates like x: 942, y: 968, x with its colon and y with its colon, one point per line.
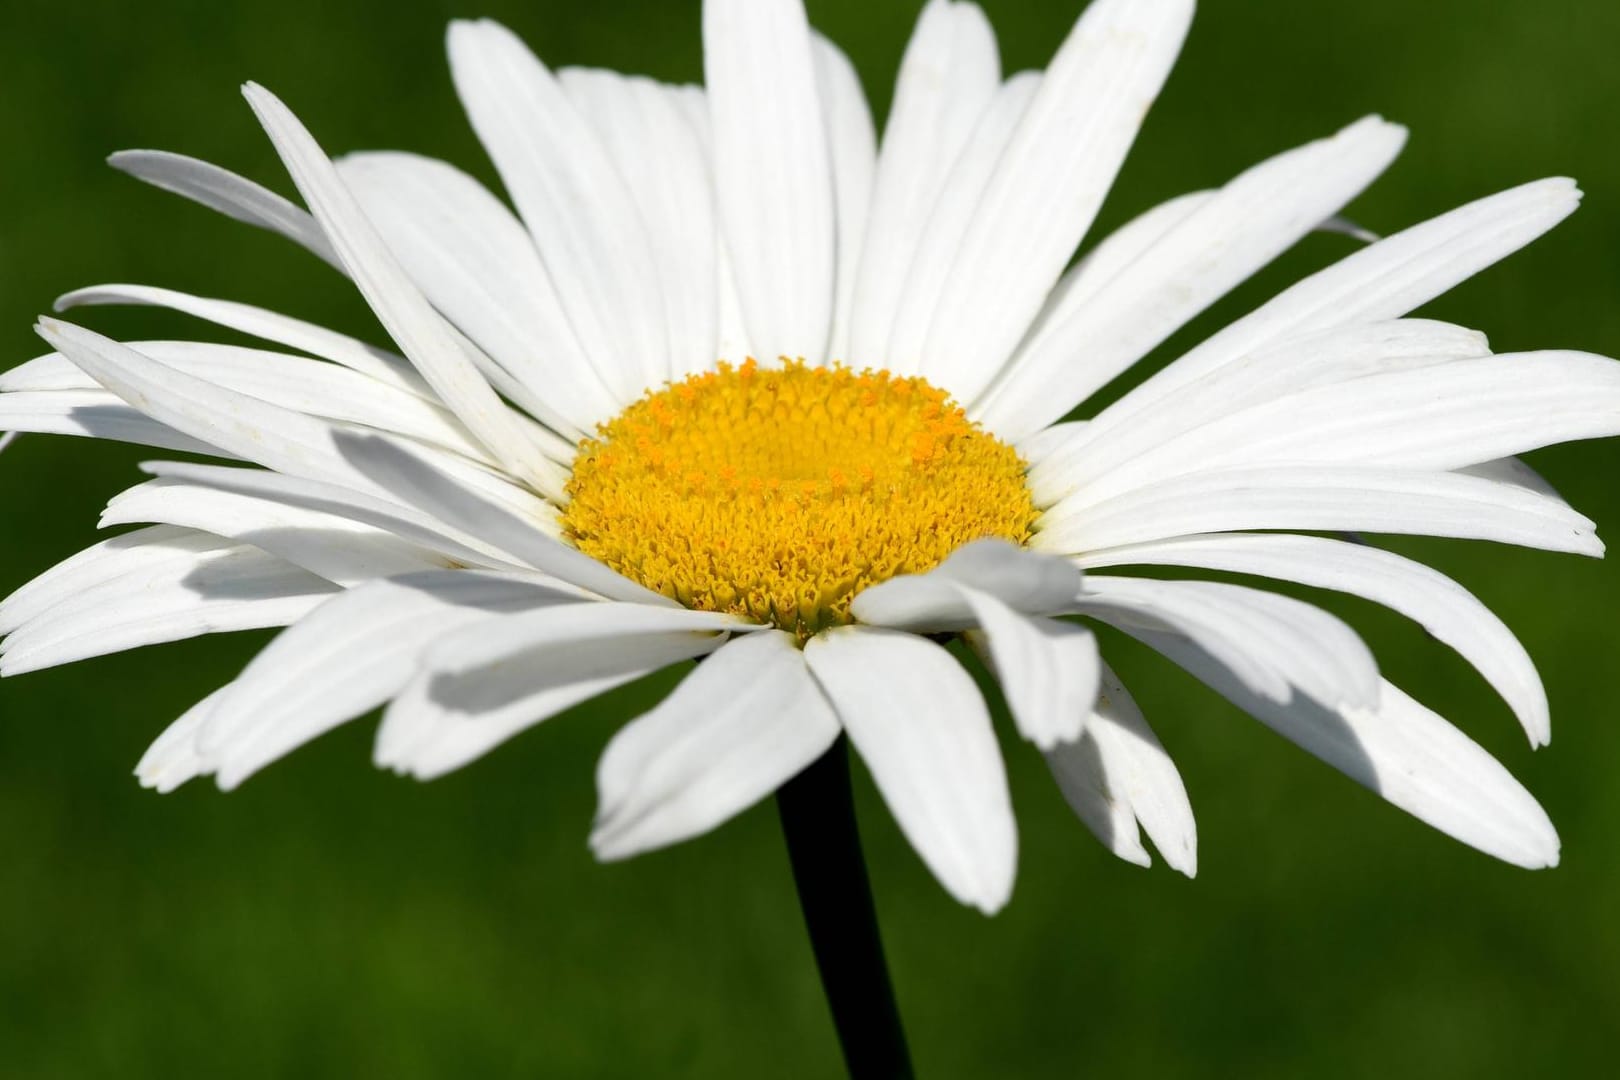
x: 1271, y: 643
x: 417, y: 481
x: 380, y: 364
x: 948, y: 76
x: 1407, y: 754
x: 279, y: 438
x: 1515, y: 473
x: 272, y: 436
x: 1382, y: 281
x: 1048, y: 669
x: 852, y: 142
x: 419, y: 330
x: 1248, y: 223
x: 1441, y: 606
x: 1438, y: 417
x: 1114, y: 254
x: 480, y: 686
x: 1048, y: 441
x: 1341, y: 498
x: 1050, y: 183
x: 344, y: 659
x: 582, y: 217
x: 1092, y: 452
x: 406, y: 522
x: 923, y: 731
x: 526, y: 632
x: 236, y: 588
x: 773, y: 172
x: 337, y: 548
x: 733, y: 345
x: 1118, y: 774
x: 948, y: 222
x: 1026, y: 581
x: 98, y: 414
x: 312, y: 387
x: 172, y: 759
x: 747, y: 720
x: 646, y: 130
x: 134, y: 552
x: 477, y: 265
x: 227, y: 193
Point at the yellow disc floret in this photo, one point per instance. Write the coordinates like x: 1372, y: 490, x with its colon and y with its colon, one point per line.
x: 779, y: 493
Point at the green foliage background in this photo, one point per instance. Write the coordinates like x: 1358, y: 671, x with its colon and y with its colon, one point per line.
x: 332, y: 921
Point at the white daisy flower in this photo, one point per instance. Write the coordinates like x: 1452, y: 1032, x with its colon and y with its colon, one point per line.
x: 573, y: 474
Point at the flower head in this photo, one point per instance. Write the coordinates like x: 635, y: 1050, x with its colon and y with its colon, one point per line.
x: 735, y: 383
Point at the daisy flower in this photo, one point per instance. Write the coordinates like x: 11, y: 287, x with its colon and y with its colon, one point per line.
x: 733, y: 380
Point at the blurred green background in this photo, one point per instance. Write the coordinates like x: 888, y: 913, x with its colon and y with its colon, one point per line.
x: 332, y: 921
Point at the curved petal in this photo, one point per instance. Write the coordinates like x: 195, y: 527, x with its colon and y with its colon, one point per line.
x: 417, y: 481
x: 1320, y: 497
x: 576, y: 207
x: 226, y: 589
x: 227, y: 193
x: 1441, y: 606
x: 1023, y: 580
x: 1091, y: 453
x: 647, y: 130
x: 172, y: 759
x: 407, y: 523
x: 1381, y: 281
x: 1271, y: 644
x: 746, y: 721
x: 337, y: 548
x: 419, y: 330
x: 1240, y: 229
x: 1405, y: 753
x: 380, y: 364
x: 1117, y: 775
x: 344, y: 659
x: 476, y: 264
x: 311, y: 387
x: 95, y: 414
x: 923, y: 731
x: 476, y: 688
x: 1047, y: 668
x: 137, y: 551
x: 1436, y: 417
x: 1049, y: 184
x: 1113, y: 254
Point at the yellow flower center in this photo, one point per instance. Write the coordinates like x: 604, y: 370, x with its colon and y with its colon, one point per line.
x: 780, y: 493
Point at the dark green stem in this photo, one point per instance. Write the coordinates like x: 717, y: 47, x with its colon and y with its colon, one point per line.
x: 818, y: 819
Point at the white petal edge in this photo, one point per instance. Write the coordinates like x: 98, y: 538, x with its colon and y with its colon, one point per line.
x: 1381, y: 281
x: 773, y: 172
x: 948, y: 75
x: 226, y: 193
x: 347, y: 657
x: 1407, y: 754
x: 1050, y: 182
x: 1441, y: 606
x: 746, y: 721
x: 1118, y: 777
x: 918, y: 722
x: 420, y: 331
x: 1244, y: 226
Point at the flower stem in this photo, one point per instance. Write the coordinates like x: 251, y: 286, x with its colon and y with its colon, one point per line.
x: 817, y: 808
